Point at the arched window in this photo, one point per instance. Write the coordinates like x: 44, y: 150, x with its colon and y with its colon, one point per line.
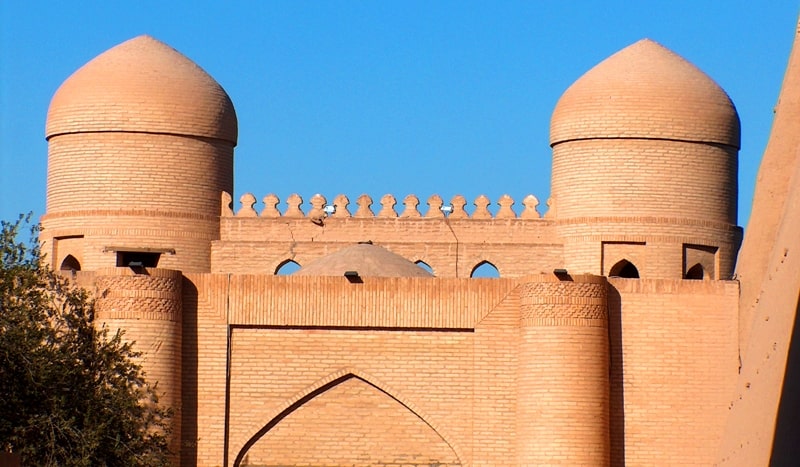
x: 287, y: 267
x: 425, y: 266
x: 485, y: 269
x: 70, y: 264
x: 624, y: 269
x: 696, y: 272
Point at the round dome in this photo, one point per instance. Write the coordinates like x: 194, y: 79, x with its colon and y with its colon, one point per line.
x: 142, y: 85
x: 645, y: 91
x: 367, y: 260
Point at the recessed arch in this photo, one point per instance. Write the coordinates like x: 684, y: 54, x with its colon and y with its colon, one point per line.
x: 424, y: 266
x: 330, y: 383
x: 485, y: 269
x: 625, y: 269
x: 70, y: 263
x: 286, y: 267
x: 695, y: 272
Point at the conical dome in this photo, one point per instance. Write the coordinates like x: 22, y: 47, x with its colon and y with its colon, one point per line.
x: 142, y: 85
x: 366, y: 259
x: 646, y: 91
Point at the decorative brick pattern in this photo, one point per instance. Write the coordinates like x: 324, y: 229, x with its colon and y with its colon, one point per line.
x: 563, y: 304
x: 569, y: 315
x: 155, y: 295
x: 148, y: 307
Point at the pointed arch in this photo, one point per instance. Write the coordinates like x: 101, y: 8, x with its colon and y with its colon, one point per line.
x: 286, y: 267
x: 696, y: 272
x: 485, y: 269
x: 624, y: 268
x: 70, y: 263
x: 329, y: 382
x: 425, y: 266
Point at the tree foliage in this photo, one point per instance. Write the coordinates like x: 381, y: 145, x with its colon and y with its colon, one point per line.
x: 70, y: 393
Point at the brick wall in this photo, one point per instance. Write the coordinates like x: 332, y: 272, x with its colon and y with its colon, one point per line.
x: 516, y: 247
x: 147, y: 190
x: 674, y: 361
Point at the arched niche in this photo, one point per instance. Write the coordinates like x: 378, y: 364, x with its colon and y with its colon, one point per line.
x: 425, y: 266
x: 287, y: 267
x: 70, y: 263
x: 625, y: 269
x: 347, y: 421
x: 696, y: 272
x: 485, y: 269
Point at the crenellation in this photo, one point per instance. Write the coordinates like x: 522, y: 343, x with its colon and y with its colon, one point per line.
x: 531, y: 204
x: 317, y: 212
x: 293, y: 203
x: 411, y: 203
x: 505, y: 212
x: 270, y: 206
x: 248, y: 201
x: 482, y: 208
x: 364, y: 210
x: 435, y: 204
x: 437, y: 209
x: 340, y: 206
x: 457, y: 203
x: 226, y: 205
x: 387, y: 206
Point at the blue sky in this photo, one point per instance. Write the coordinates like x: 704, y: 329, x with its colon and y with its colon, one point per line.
x: 386, y: 97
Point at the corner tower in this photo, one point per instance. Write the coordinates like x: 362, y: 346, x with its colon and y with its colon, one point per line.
x: 645, y: 162
x: 140, y: 147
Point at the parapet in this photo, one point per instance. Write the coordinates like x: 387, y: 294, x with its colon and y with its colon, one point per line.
x: 320, y: 209
x: 452, y: 240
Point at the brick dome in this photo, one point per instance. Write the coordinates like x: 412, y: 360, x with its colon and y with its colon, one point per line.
x: 144, y: 86
x: 366, y: 259
x: 646, y: 91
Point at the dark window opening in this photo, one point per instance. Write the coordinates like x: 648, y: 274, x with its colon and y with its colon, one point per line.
x: 70, y: 264
x: 485, y: 269
x: 696, y: 272
x: 287, y: 267
x: 137, y: 259
x: 624, y: 269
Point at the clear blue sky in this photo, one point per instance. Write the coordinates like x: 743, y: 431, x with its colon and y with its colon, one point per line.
x: 386, y: 97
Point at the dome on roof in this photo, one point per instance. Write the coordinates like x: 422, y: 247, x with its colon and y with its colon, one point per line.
x: 645, y: 91
x: 142, y: 85
x: 367, y: 259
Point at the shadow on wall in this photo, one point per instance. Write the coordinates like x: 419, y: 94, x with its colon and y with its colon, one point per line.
x: 617, y: 390
x: 785, y: 448
x: 189, y: 375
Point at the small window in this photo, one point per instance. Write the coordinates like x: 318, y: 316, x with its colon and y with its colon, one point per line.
x: 485, y: 269
x: 70, y: 264
x: 696, y: 272
x: 287, y: 267
x: 425, y: 266
x: 137, y: 259
x: 624, y: 269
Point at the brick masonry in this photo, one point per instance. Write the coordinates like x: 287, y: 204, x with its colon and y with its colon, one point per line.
x: 552, y: 363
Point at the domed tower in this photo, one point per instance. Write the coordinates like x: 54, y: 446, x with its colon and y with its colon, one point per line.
x: 140, y: 147
x: 645, y: 161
